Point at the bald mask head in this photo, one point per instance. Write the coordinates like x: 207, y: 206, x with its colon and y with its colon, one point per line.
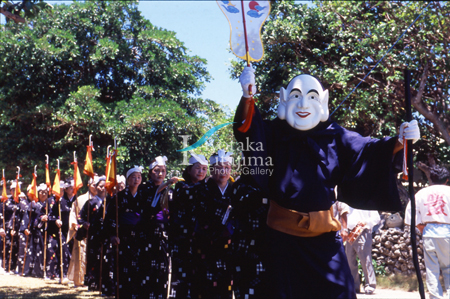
x: 304, y: 103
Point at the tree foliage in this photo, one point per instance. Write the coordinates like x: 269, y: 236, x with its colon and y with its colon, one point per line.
x: 340, y: 41
x: 97, y: 68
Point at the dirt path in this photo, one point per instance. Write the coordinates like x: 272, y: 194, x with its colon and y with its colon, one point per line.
x: 14, y: 286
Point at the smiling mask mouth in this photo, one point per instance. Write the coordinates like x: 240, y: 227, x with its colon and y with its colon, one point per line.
x: 303, y: 114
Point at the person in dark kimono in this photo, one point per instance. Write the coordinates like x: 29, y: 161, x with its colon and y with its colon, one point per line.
x: 181, y: 226
x: 69, y: 198
x: 154, y: 242
x: 298, y: 159
x: 92, y: 210
x: 213, y: 231
x: 130, y: 208
x: 25, y: 207
x: 12, y: 222
x: 34, y: 264
x: 249, y: 240
x: 58, y: 218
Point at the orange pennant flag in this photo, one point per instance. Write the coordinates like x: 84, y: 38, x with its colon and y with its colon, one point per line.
x: 56, y: 190
x: 17, y: 190
x: 47, y: 176
x: 4, y: 194
x: 88, y: 169
x: 33, y: 191
x: 111, y: 177
x: 78, y: 183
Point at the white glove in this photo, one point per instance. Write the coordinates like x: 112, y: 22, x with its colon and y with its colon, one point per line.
x: 248, y: 78
x: 410, y: 131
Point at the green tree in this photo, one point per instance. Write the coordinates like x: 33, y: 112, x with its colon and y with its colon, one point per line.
x: 21, y: 11
x: 340, y: 41
x: 97, y: 68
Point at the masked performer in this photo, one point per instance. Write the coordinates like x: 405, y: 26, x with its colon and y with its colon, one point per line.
x: 181, y: 226
x: 213, y: 231
x: 304, y: 157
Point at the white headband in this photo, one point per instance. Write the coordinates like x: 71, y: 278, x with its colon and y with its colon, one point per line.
x: 160, y: 160
x: 121, y: 179
x: 41, y: 187
x: 134, y: 169
x: 70, y: 183
x: 221, y: 156
x: 14, y: 185
x: 197, y: 159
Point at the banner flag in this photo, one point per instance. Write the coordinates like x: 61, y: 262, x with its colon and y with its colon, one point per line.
x: 88, y: 168
x: 255, y: 14
x: 56, y: 190
x: 33, y: 190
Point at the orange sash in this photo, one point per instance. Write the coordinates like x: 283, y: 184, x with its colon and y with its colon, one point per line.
x: 300, y: 224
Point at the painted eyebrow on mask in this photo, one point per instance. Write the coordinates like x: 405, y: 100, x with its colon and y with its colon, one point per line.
x: 295, y: 89
x: 312, y: 90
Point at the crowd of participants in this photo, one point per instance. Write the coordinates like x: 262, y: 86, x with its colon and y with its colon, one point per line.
x: 199, y: 236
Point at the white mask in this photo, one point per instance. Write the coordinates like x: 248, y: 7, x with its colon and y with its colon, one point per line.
x: 304, y: 103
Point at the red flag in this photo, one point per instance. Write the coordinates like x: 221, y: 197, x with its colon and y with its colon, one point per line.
x: 88, y: 169
x: 47, y: 176
x: 33, y: 191
x: 17, y: 190
x: 111, y: 176
x: 76, y: 178
x: 4, y: 194
x: 56, y: 190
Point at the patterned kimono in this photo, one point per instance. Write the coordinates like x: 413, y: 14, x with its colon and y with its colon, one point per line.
x: 249, y: 240
x: 53, y: 247
x: 153, y: 245
x: 25, y: 207
x: 34, y: 264
x: 211, y: 247
x: 181, y: 231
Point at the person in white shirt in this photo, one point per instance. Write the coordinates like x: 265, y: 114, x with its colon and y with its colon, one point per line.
x: 361, y: 246
x: 433, y: 221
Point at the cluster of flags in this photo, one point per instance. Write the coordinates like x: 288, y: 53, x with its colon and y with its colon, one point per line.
x: 110, y: 174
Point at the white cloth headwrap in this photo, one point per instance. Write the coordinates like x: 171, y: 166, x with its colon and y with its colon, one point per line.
x: 197, y: 159
x: 14, y: 185
x: 121, y: 179
x: 134, y: 169
x: 160, y: 160
x: 41, y: 187
x: 70, y: 183
x: 221, y: 156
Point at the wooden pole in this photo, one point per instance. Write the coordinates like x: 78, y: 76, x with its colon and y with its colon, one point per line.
x: 4, y: 238
x: 411, y: 185
x: 61, y: 263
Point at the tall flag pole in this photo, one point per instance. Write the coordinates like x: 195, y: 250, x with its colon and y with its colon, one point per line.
x: 33, y: 195
x: 57, y: 192
x: 88, y: 168
x: 48, y: 183
x: 4, y: 198
x: 108, y: 157
x: 16, y: 199
x: 114, y: 170
x: 242, y: 31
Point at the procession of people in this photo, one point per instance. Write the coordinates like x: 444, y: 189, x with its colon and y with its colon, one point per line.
x: 211, y: 236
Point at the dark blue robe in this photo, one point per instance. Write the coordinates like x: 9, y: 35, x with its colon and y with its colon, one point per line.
x: 307, y: 166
